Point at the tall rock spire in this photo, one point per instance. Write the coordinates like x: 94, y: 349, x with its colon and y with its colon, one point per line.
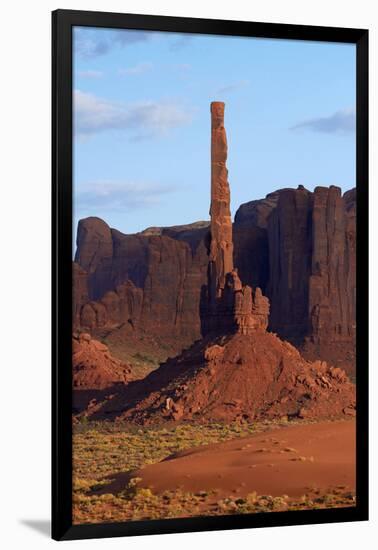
x: 230, y: 306
x: 221, y: 247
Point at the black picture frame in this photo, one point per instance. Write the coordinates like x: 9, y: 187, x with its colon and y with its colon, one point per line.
x: 62, y: 23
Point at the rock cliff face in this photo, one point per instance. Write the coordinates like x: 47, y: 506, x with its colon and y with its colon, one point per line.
x: 332, y: 281
x: 289, y: 242
x: 149, y: 281
x: 309, y: 270
x: 297, y: 246
x: 251, y: 246
x: 80, y: 294
x: 311, y: 284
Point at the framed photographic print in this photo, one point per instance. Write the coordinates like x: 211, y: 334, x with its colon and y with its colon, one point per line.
x: 210, y: 191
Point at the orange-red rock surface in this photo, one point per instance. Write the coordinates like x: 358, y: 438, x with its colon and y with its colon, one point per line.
x: 93, y: 366
x: 151, y: 282
x: 311, y: 282
x: 188, y: 287
x: 227, y: 306
x: 236, y: 377
x: 304, y: 275
x: 221, y: 245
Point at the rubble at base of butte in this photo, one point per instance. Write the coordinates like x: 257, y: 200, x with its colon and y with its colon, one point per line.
x: 93, y: 365
x: 234, y: 378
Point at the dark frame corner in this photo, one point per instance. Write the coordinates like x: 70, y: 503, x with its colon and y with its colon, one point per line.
x: 62, y: 23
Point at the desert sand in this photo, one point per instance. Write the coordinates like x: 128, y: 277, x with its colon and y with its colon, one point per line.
x: 292, y: 461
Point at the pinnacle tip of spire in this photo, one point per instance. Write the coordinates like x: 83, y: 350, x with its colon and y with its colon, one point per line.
x: 217, y: 104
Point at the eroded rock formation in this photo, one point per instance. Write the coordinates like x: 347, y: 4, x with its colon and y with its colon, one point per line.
x: 268, y: 253
x: 281, y: 242
x: 221, y: 245
x: 150, y: 282
x: 239, y: 370
x: 311, y: 282
x: 80, y: 295
x: 236, y: 377
x: 230, y: 307
x: 332, y: 279
x: 289, y: 241
x: 93, y: 365
x: 251, y: 246
x: 297, y: 246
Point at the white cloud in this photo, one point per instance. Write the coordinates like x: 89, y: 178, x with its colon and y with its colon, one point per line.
x: 97, y: 197
x: 90, y: 74
x: 340, y: 122
x: 141, y: 120
x: 140, y: 68
x: 91, y: 42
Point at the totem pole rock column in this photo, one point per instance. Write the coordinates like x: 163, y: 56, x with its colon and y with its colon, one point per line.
x: 221, y: 247
x: 231, y: 306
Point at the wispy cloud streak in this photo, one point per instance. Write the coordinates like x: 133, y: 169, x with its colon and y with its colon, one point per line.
x: 90, y: 74
x: 141, y: 120
x: 340, y: 122
x: 90, y: 43
x: 224, y: 90
x: 120, y: 196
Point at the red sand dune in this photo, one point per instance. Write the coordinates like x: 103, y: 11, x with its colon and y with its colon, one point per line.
x: 289, y: 461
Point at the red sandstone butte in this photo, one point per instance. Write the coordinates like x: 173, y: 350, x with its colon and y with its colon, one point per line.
x: 152, y: 282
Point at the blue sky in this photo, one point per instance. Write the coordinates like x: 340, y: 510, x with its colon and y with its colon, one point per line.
x: 142, y: 121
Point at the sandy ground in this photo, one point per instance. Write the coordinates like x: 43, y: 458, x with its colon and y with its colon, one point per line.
x: 286, y: 461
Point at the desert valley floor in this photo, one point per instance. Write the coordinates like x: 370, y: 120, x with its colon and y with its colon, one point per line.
x: 123, y: 473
